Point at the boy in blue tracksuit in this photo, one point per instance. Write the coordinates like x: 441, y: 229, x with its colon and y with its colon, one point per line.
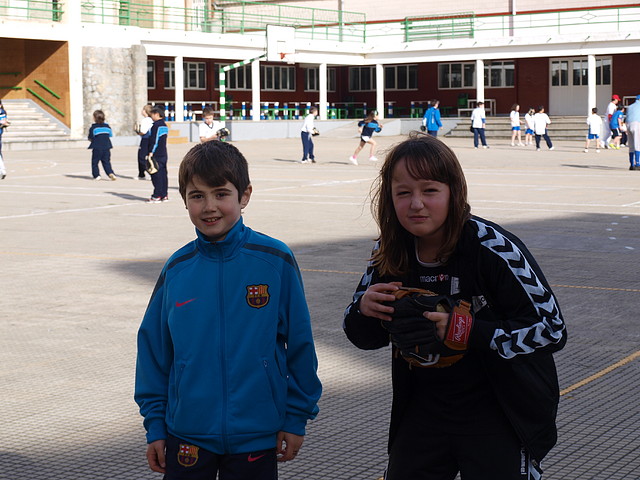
x: 226, y: 370
x: 431, y: 119
x: 100, y: 137
x: 158, y: 150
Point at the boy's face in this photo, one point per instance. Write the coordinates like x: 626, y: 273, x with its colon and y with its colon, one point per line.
x: 155, y: 116
x: 208, y: 119
x: 214, y: 210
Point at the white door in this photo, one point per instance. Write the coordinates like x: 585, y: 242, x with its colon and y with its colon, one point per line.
x: 568, y: 93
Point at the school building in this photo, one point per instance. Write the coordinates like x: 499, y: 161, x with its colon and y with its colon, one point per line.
x: 345, y: 56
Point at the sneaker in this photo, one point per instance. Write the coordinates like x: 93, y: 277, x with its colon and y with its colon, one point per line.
x: 3, y: 176
x: 304, y: 160
x: 373, y: 158
x: 537, y: 149
x: 164, y: 199
x: 552, y: 148
x: 97, y: 178
x: 353, y: 160
x: 154, y: 200
x: 140, y: 178
x: 513, y: 144
x: 611, y: 145
x: 521, y: 144
x: 112, y: 177
x: 597, y: 150
x: 313, y: 160
x: 586, y: 150
x: 485, y: 146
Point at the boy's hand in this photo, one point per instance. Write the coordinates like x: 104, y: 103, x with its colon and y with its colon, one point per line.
x: 288, y: 445
x: 155, y: 456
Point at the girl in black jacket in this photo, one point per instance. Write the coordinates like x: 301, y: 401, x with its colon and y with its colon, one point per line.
x: 492, y: 414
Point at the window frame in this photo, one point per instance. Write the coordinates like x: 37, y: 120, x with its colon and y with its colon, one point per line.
x: 331, y: 79
x: 464, y: 69
x: 411, y: 71
x: 361, y: 69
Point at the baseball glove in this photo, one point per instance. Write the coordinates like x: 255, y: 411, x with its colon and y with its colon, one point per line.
x: 223, y: 132
x: 416, y: 338
x: 423, y: 128
x: 315, y: 132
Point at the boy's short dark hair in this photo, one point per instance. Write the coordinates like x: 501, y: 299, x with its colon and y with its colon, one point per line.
x: 98, y: 116
x: 157, y: 110
x: 594, y: 110
x: 207, y: 111
x: 215, y: 163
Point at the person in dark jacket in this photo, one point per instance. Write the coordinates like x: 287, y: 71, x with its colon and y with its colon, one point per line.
x: 492, y: 414
x: 158, y: 150
x: 100, y: 136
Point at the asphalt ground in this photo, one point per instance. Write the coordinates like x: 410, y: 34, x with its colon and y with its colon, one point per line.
x: 79, y: 259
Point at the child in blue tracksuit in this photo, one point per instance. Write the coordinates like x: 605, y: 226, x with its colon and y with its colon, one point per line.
x: 226, y: 370
x: 100, y: 136
x: 431, y: 119
x: 158, y: 150
x: 367, y: 128
x: 4, y: 123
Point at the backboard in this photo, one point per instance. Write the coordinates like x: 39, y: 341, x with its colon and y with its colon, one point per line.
x: 280, y: 43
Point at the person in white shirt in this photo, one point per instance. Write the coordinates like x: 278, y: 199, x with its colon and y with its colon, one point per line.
x: 208, y: 129
x: 540, y: 122
x: 478, y: 120
x: 611, y: 109
x: 528, y: 123
x: 515, y: 125
x: 306, y: 134
x: 595, y: 128
x: 143, y: 128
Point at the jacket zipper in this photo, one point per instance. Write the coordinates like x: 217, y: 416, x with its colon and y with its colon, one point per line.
x: 223, y: 353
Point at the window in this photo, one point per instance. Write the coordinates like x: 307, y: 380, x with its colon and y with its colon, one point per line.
x: 401, y: 77
x: 274, y: 77
x: 559, y: 73
x: 456, y: 75
x: 499, y: 74
x: 151, y: 74
x: 312, y: 79
x: 238, y: 78
x: 603, y: 71
x: 362, y: 79
x: 194, y: 75
x: 580, y: 72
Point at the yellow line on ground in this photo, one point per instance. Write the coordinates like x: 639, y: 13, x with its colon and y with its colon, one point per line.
x: 601, y: 373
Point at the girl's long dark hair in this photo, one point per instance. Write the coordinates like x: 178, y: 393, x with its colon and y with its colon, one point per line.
x: 426, y: 157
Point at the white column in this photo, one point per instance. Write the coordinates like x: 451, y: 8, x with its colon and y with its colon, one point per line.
x: 255, y: 90
x: 480, y: 80
x: 72, y: 17
x: 591, y: 83
x: 380, y: 90
x: 322, y: 77
x: 179, y: 88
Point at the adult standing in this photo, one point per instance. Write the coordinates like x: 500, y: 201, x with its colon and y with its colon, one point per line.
x: 306, y: 135
x: 633, y: 133
x: 478, y: 120
x: 611, y: 109
x: 540, y: 122
x: 431, y: 119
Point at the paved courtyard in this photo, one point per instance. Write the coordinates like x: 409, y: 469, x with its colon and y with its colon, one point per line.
x: 79, y: 259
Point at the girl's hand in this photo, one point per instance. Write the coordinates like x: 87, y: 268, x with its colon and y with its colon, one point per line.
x: 372, y: 302
x: 441, y: 320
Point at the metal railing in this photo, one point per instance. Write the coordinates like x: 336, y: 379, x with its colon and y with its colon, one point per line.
x: 50, y: 10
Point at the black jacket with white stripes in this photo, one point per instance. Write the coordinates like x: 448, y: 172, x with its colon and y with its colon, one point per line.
x: 518, y: 326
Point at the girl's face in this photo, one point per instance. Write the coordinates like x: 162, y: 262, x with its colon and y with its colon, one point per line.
x: 421, y: 205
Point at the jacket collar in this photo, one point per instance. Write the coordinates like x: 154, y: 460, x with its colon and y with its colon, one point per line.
x: 236, y: 237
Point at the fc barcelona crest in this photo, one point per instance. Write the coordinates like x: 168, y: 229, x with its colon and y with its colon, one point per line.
x: 257, y: 295
x: 187, y: 455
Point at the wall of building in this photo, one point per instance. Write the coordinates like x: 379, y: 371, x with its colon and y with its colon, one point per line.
x: 115, y: 81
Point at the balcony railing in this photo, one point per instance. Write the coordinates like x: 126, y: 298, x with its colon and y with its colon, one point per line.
x: 50, y: 10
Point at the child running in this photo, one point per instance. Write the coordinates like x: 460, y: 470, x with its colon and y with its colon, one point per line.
x: 367, y: 128
x: 226, y: 371
x: 491, y: 414
x: 595, y: 128
x: 100, y: 137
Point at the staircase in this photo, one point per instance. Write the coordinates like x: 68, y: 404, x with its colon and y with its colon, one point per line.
x: 561, y: 128
x: 32, y: 128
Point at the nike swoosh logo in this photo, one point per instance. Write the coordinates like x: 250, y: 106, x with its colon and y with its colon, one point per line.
x: 180, y: 304
x: 251, y: 458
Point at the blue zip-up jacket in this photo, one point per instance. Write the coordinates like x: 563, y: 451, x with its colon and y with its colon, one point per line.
x: 226, y: 358
x: 158, y: 139
x: 368, y: 128
x: 100, y: 136
x: 432, y: 119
